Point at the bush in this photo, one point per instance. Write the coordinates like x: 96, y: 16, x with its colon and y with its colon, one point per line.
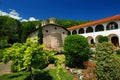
x: 102, y: 39
x: 76, y: 50
x: 108, y: 63
x: 13, y: 67
x: 118, y: 51
x: 51, y: 59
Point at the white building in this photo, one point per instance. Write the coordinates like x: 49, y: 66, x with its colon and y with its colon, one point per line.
x: 92, y: 30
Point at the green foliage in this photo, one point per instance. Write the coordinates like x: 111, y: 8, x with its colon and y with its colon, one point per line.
x: 102, y: 39
x: 69, y: 23
x: 9, y: 30
x: 27, y: 28
x: 49, y: 74
x: 40, y: 35
x: 1, y: 54
x: 118, y: 51
x: 107, y: 65
x: 76, y: 50
x: 13, y: 67
x: 26, y: 55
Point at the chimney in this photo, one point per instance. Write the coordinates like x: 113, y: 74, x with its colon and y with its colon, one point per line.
x: 52, y: 20
x: 44, y: 22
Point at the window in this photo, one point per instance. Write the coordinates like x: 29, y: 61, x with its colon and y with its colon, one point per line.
x: 46, y: 30
x: 74, y: 32
x: 81, y: 31
x: 112, y: 25
x: 99, y: 28
x: 89, y: 30
x: 55, y: 28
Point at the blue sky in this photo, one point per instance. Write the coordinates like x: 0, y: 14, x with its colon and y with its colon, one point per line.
x: 61, y: 9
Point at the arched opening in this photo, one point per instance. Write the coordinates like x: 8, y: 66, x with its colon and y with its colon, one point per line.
x: 81, y: 31
x: 89, y: 30
x: 74, y: 32
x: 99, y: 28
x: 112, y: 26
x: 96, y: 39
x: 115, y: 41
x: 90, y: 40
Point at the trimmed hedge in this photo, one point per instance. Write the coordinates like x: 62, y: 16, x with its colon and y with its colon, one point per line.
x: 76, y: 50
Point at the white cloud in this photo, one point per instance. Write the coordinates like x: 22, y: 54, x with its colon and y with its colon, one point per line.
x: 24, y: 20
x: 12, y: 14
x: 30, y: 19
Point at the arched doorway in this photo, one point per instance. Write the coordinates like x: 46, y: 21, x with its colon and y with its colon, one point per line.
x: 115, y: 41
x: 90, y: 40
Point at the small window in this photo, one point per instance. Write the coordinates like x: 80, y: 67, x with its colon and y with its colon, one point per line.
x: 55, y: 28
x: 46, y: 30
x: 63, y: 32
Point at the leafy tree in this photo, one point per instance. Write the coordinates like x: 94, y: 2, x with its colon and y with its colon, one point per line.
x: 76, y: 49
x: 69, y: 23
x: 9, y: 30
x: 102, y: 39
x: 27, y: 28
x: 40, y: 35
x: 29, y: 55
x: 108, y: 62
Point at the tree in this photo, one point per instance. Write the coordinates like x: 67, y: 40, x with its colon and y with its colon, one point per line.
x: 27, y: 28
x: 102, y: 39
x: 108, y: 62
x: 27, y: 56
x: 76, y: 50
x: 69, y: 23
x: 9, y: 30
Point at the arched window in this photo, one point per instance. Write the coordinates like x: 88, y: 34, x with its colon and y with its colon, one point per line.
x: 74, y: 32
x: 81, y: 31
x: 89, y: 30
x: 99, y: 28
x: 112, y: 25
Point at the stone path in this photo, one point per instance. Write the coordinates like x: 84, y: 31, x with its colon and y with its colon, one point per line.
x: 4, y: 68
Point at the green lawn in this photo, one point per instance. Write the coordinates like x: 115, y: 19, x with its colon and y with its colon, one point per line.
x: 49, y: 74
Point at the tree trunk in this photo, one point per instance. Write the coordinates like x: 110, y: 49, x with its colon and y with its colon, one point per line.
x: 31, y: 74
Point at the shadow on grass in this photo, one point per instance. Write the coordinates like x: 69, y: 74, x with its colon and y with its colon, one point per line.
x: 40, y: 76
x: 14, y: 76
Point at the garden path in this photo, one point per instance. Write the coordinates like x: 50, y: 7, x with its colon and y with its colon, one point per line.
x: 5, y: 68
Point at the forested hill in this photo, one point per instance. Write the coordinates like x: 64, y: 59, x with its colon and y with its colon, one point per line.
x: 69, y: 23
x: 12, y: 30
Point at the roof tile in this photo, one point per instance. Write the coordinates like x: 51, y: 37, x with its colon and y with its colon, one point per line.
x: 116, y: 17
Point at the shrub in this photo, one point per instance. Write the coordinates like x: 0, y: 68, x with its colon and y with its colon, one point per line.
x: 118, y: 51
x: 107, y: 66
x: 1, y: 55
x: 102, y: 39
x: 51, y: 59
x: 76, y: 50
x: 13, y: 67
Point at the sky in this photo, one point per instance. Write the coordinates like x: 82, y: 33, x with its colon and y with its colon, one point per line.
x: 25, y: 10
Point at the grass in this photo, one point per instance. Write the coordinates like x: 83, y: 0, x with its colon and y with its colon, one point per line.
x: 48, y: 74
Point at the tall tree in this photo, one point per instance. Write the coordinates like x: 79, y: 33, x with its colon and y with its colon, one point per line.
x: 9, y: 29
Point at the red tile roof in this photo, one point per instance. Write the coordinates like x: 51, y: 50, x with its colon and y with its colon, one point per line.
x: 95, y: 22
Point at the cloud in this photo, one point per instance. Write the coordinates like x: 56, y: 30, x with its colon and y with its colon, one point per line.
x: 30, y: 19
x: 12, y: 14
